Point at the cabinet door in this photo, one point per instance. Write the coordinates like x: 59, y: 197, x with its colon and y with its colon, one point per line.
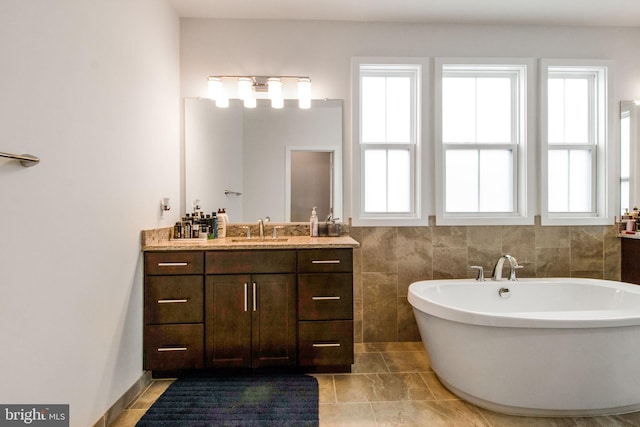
x: 274, y: 320
x: 629, y: 261
x: 228, y: 321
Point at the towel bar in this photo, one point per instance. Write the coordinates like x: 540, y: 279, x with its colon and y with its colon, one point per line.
x: 26, y: 160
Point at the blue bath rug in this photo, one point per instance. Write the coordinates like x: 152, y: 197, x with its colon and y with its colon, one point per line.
x: 260, y: 400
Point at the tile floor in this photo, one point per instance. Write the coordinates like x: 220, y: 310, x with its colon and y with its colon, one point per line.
x: 392, y: 384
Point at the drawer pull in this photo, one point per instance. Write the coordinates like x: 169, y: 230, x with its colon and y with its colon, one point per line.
x: 328, y: 261
x: 172, y: 301
x: 328, y: 344
x: 173, y: 264
x: 324, y: 298
x: 172, y: 349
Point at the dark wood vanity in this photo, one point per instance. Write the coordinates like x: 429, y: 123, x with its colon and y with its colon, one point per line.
x: 254, y: 308
x: 630, y: 264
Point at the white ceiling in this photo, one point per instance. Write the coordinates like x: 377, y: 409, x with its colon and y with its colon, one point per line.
x: 534, y: 12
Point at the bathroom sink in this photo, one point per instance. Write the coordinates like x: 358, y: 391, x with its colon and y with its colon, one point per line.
x: 259, y: 241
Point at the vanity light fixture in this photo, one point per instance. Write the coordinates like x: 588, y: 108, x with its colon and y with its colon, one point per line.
x: 249, y: 88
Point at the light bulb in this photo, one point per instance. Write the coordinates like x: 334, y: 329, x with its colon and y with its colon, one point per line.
x: 244, y: 87
x: 275, y: 87
x: 275, y: 92
x: 214, y: 87
x: 304, y: 93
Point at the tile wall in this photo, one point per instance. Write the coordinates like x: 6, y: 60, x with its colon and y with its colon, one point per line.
x: 391, y: 258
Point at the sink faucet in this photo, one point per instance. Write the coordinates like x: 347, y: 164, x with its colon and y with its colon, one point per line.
x: 497, y: 270
x: 261, y: 224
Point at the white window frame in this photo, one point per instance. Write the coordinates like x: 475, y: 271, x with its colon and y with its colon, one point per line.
x: 630, y: 109
x: 524, y: 170
x: 605, y: 183
x: 626, y: 113
x: 420, y: 181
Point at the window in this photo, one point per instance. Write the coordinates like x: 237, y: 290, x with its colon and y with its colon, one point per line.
x: 575, y: 155
x: 387, y: 128
x: 628, y: 152
x: 481, y: 143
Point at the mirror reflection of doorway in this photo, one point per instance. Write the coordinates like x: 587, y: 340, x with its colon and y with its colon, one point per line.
x: 311, y: 184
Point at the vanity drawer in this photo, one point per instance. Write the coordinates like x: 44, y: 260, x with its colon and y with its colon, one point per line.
x: 325, y: 343
x: 173, y: 299
x: 172, y: 347
x: 184, y: 262
x: 254, y: 261
x: 325, y: 260
x: 325, y: 296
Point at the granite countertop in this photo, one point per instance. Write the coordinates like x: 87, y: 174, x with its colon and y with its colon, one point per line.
x: 624, y: 235
x: 158, y: 240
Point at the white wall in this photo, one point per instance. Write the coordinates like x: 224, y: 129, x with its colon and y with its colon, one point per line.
x: 92, y: 88
x: 323, y: 51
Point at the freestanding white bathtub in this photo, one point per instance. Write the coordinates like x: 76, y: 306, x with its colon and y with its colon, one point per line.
x: 543, y: 347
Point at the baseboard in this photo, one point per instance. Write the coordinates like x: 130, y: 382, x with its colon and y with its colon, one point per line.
x: 121, y: 404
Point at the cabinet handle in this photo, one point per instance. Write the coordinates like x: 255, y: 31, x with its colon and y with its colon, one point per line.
x: 246, y: 296
x: 328, y: 344
x: 324, y: 298
x: 328, y: 261
x: 172, y: 301
x: 173, y: 264
x: 255, y: 298
x: 172, y: 349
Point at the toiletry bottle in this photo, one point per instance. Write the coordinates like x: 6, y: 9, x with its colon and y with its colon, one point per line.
x: 214, y: 219
x: 222, y: 224
x: 313, y: 223
x: 226, y: 217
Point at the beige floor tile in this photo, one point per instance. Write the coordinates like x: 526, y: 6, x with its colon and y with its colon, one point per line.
x: 369, y: 363
x: 631, y: 419
x: 151, y: 394
x: 128, y: 418
x: 502, y: 420
x: 427, y: 413
x: 392, y: 346
x: 346, y: 415
x: 407, y: 361
x: 439, y: 391
x: 381, y: 387
x: 393, y: 384
x: 326, y: 388
x: 359, y: 347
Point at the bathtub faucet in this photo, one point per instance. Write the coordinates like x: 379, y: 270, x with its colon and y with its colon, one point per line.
x: 497, y: 270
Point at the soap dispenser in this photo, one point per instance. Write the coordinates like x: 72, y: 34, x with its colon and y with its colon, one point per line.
x: 313, y: 223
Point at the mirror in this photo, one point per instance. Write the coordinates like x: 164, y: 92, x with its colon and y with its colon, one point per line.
x: 246, y: 160
x: 629, y: 138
